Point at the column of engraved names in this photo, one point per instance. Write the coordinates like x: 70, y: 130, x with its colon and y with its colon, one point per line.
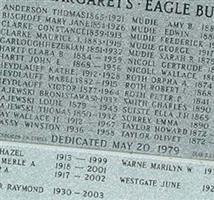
x: 20, y: 74
x: 171, y: 173
x: 60, y: 97
x: 13, y: 159
x: 71, y: 88
x: 136, y: 113
x: 181, y: 72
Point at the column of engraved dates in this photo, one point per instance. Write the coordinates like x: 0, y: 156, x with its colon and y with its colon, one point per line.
x: 80, y: 171
x: 106, y: 47
x: 111, y: 70
x: 202, y: 104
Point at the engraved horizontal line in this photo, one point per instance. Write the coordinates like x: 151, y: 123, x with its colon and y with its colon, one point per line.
x: 76, y: 192
x: 83, y: 159
x: 76, y: 167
